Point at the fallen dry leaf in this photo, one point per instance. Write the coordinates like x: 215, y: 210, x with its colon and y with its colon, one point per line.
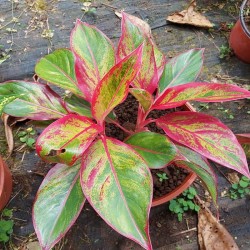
x: 233, y: 177
x: 8, y: 133
x: 9, y: 121
x: 191, y: 17
x: 211, y: 234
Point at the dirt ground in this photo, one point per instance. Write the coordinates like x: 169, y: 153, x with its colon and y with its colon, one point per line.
x: 42, y: 26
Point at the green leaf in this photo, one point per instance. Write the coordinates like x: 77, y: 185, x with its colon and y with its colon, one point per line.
x: 201, y: 167
x: 181, y: 69
x: 235, y: 186
x: 197, y: 208
x: 30, y: 142
x: 180, y: 217
x: 6, y: 100
x: 58, y: 68
x: 35, y: 101
x: 7, y: 212
x: 24, y: 138
x: 118, y: 185
x: 22, y: 133
x: 157, y: 150
x: 78, y: 105
x: 58, y: 204
x: 192, y: 191
x: 243, y: 184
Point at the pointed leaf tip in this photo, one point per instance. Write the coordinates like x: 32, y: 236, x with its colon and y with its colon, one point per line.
x: 112, y: 175
x: 114, y: 87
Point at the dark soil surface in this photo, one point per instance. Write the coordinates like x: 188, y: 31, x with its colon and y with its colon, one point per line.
x: 175, y: 177
x: 126, y: 114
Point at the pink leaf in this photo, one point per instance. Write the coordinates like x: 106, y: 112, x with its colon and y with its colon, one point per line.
x: 207, y: 136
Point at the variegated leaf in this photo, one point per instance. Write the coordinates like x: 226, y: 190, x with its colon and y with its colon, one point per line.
x: 31, y: 100
x: 181, y: 69
x: 59, y: 68
x: 201, y: 167
x: 118, y: 184
x: 4, y: 100
x: 156, y: 149
x: 113, y: 88
x: 58, y: 203
x: 134, y: 32
x: 94, y: 56
x: 204, y: 92
x: 207, y: 136
x: 66, y: 139
x: 143, y: 97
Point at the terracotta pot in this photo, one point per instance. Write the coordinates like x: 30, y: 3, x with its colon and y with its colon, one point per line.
x: 239, y: 39
x: 5, y: 184
x: 243, y: 138
x: 185, y: 184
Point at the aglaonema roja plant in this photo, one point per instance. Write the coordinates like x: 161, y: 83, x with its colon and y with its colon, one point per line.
x: 114, y: 176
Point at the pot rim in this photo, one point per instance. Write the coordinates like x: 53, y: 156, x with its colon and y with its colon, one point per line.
x: 186, y: 182
x: 243, y: 24
x: 177, y: 191
x: 5, y: 184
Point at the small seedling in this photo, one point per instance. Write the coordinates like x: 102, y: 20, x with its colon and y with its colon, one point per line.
x: 26, y: 137
x: 6, y: 225
x: 225, y: 52
x: 185, y: 203
x: 230, y: 25
x: 162, y: 176
x: 240, y: 189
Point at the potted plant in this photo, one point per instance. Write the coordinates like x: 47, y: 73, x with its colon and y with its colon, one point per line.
x: 94, y: 161
x: 240, y: 35
x: 5, y: 184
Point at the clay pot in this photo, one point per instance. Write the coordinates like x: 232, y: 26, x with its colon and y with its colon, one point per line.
x: 243, y: 138
x: 185, y: 184
x: 5, y: 184
x: 239, y: 39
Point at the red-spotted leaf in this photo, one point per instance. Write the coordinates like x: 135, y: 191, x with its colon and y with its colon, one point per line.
x: 143, y: 97
x: 113, y: 88
x: 31, y: 100
x: 201, y: 167
x: 118, y: 184
x: 134, y: 32
x: 94, y: 56
x: 58, y: 203
x: 181, y: 69
x: 156, y: 149
x: 204, y: 92
x: 207, y: 136
x: 66, y: 139
x: 59, y: 68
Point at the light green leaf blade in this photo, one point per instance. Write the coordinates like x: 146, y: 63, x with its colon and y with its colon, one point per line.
x: 58, y: 203
x: 156, y: 149
x: 59, y: 68
x: 181, y: 69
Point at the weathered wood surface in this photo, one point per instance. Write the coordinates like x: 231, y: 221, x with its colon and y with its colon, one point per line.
x: 28, y: 46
